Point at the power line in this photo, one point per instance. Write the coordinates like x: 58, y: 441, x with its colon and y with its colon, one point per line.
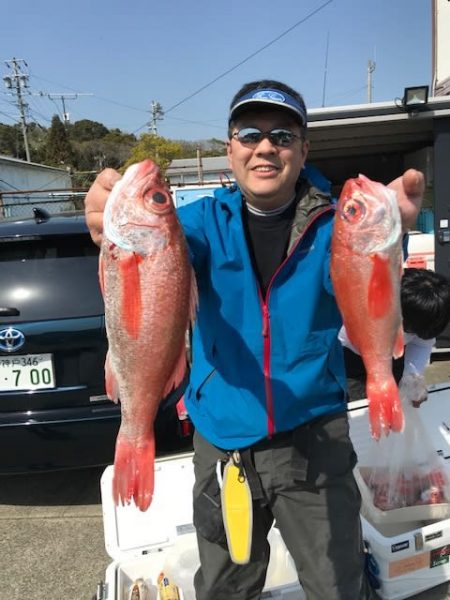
x: 9, y: 116
x: 95, y: 95
x: 308, y: 16
x: 63, y: 98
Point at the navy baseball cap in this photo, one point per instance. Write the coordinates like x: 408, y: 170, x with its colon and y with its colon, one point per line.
x: 272, y: 98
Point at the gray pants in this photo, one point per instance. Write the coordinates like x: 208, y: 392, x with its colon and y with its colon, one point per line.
x: 308, y: 488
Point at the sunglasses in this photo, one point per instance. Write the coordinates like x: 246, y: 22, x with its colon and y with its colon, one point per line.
x: 252, y: 136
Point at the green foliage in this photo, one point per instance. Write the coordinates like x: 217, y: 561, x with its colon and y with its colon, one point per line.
x: 58, y: 150
x: 88, y: 147
x: 161, y: 150
x: 86, y: 131
x: 11, y: 141
x: 212, y: 147
x: 110, y: 150
x: 37, y: 140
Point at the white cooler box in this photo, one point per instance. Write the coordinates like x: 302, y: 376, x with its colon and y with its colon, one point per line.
x: 162, y: 539
x: 413, y: 554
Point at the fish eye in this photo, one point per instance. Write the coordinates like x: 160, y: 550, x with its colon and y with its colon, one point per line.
x: 159, y: 201
x: 159, y: 198
x: 353, y: 211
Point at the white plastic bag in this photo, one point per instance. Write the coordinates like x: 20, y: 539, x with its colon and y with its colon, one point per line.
x: 413, y: 387
x: 405, y: 469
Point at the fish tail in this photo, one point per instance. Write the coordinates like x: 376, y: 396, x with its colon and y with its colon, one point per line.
x: 385, y: 408
x: 134, y: 472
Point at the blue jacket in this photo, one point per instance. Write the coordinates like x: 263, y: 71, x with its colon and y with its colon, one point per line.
x: 261, y: 366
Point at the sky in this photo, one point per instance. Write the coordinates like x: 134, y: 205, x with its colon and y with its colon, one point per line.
x: 110, y: 59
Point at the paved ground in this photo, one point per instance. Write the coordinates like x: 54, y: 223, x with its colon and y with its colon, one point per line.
x: 51, y: 532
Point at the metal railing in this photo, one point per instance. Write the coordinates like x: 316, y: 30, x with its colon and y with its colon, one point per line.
x: 19, y: 203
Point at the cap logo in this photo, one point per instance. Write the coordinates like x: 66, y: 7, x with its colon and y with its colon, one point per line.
x: 269, y: 95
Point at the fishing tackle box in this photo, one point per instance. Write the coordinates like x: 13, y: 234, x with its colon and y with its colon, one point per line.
x: 162, y: 539
x: 412, y: 554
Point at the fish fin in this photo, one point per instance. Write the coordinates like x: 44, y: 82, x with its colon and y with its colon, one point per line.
x: 101, y: 274
x: 385, y: 408
x: 193, y: 298
x: 111, y: 385
x: 399, y: 346
x: 131, y: 293
x: 134, y: 471
x: 178, y: 373
x: 381, y: 291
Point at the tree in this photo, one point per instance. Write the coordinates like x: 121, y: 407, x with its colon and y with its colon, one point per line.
x: 110, y: 149
x: 11, y: 141
x: 37, y: 141
x: 212, y: 147
x: 58, y: 150
x: 86, y: 130
x: 161, y: 150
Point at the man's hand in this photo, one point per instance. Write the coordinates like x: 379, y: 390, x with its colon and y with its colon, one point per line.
x: 410, y: 188
x: 94, y: 203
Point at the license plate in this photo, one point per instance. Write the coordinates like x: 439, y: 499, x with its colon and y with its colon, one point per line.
x: 26, y: 372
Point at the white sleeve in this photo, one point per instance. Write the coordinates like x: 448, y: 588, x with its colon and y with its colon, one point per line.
x: 343, y: 338
x: 417, y: 354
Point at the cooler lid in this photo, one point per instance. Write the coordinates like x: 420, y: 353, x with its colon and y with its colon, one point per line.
x: 130, y: 533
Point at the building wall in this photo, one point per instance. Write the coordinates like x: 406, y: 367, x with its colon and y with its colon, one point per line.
x: 188, y: 171
x: 441, y: 47
x: 20, y: 175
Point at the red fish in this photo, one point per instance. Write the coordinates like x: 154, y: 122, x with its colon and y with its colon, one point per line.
x: 366, y: 270
x: 150, y: 297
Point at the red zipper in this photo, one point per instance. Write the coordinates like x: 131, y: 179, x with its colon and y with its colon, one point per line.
x: 266, y: 367
x: 266, y: 331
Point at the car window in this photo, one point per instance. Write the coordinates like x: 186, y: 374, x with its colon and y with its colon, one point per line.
x: 36, y: 248
x: 50, y: 277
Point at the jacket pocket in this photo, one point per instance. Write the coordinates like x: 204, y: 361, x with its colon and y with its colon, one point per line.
x: 203, y: 383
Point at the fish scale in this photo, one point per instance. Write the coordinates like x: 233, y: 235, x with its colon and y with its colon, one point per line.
x: 150, y: 297
x: 366, y: 269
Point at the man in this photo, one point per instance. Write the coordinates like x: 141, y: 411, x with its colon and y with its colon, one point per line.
x: 268, y: 377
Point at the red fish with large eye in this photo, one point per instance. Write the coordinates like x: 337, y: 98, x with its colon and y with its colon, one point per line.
x: 366, y: 269
x: 150, y: 296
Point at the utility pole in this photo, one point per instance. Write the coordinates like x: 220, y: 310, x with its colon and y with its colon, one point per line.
x: 18, y: 81
x: 63, y: 98
x: 325, y: 70
x: 370, y: 69
x: 157, y: 115
x: 199, y: 165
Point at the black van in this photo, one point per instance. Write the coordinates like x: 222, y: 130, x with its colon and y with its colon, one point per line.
x: 54, y: 413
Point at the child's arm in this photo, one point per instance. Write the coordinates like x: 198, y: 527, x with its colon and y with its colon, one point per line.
x: 417, y: 355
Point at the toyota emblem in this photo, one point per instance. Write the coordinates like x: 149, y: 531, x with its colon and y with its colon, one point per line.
x: 11, y: 339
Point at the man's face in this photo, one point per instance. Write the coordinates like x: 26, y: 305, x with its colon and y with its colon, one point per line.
x: 267, y: 173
